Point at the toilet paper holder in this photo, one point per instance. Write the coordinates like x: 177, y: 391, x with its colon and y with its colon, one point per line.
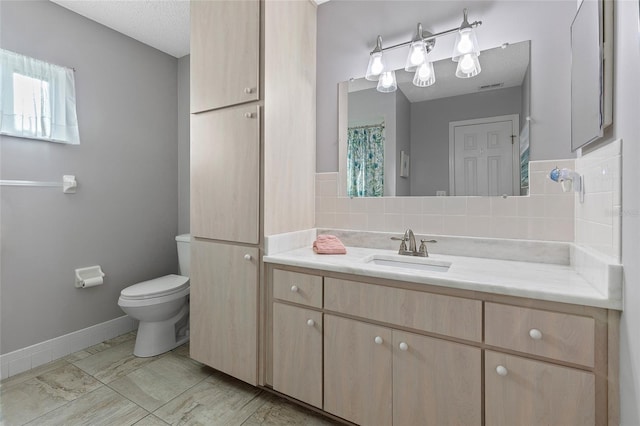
x: 89, y: 276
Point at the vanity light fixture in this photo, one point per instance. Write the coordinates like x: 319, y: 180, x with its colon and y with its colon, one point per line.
x: 465, y: 52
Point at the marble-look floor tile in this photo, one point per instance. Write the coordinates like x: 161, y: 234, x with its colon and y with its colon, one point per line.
x: 218, y: 400
x: 182, y: 350
x: 30, y: 374
x: 24, y: 401
x: 113, y: 363
x: 160, y: 381
x: 278, y: 411
x: 112, y: 342
x: 103, y: 406
x: 151, y: 420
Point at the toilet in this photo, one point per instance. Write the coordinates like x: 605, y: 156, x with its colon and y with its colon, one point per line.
x: 161, y: 306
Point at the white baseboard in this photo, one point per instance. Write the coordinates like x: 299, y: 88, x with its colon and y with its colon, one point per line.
x: 16, y: 362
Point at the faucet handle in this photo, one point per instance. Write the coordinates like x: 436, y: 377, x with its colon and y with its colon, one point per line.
x: 403, y: 244
x: 422, y: 251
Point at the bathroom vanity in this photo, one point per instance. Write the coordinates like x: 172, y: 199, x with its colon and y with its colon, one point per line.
x: 487, y: 342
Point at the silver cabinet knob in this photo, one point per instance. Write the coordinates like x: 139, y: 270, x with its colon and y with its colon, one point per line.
x: 248, y: 90
x: 378, y: 340
x: 535, y: 334
x: 294, y: 288
x: 403, y: 346
x: 311, y: 322
x: 501, y: 370
x: 248, y: 115
x: 247, y: 257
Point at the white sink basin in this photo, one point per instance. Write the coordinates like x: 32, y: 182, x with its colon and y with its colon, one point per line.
x: 408, y: 262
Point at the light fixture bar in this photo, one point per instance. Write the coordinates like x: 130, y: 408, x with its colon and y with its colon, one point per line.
x: 431, y: 36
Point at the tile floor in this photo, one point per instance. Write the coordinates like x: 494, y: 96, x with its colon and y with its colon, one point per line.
x: 106, y: 385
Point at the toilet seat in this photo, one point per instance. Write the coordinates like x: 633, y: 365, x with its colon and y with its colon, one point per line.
x: 157, y: 287
x: 155, y: 291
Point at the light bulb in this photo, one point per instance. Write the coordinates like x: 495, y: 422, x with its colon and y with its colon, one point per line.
x: 417, y: 56
x: 386, y: 79
x: 466, y: 64
x: 424, y: 72
x: 465, y: 45
x: 377, y: 66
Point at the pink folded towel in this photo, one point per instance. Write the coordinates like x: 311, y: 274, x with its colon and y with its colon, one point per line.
x: 328, y: 244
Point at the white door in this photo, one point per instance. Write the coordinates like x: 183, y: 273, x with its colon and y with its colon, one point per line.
x: 485, y: 157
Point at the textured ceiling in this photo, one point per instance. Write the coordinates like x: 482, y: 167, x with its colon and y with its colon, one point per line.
x: 163, y: 24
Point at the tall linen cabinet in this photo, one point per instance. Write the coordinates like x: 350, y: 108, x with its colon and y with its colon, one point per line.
x: 253, y: 86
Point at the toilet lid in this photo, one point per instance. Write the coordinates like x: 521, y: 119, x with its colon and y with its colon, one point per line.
x: 156, y: 287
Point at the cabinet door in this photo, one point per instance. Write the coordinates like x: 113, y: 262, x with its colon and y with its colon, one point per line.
x: 357, y: 371
x: 297, y: 353
x: 225, y: 53
x: 521, y: 391
x: 435, y: 382
x: 225, y: 174
x: 224, y: 303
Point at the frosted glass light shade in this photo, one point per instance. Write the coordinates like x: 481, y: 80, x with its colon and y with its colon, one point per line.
x: 387, y: 82
x: 417, y: 55
x: 466, y: 43
x: 425, y: 75
x: 468, y: 66
x: 376, y: 66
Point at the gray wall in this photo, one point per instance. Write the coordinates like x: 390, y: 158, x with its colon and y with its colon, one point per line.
x: 627, y: 126
x: 430, y: 132
x: 183, y: 144
x: 403, y: 141
x: 124, y: 216
x: 344, y: 43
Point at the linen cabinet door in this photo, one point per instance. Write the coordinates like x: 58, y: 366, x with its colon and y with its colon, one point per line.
x: 225, y: 53
x: 357, y: 371
x: 435, y: 382
x: 297, y: 353
x: 225, y: 174
x: 224, y: 303
x: 521, y: 391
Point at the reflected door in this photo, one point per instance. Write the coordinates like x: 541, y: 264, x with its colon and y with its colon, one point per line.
x: 485, y: 157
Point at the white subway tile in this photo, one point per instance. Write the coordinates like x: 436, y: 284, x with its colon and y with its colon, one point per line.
x: 559, y: 229
x: 432, y: 224
x: 454, y: 225
x: 393, y: 205
x: 358, y: 205
x: 433, y: 205
x: 537, y: 182
x: 479, y: 226
x: 327, y: 188
x: 326, y: 220
x: 325, y: 204
x: 412, y: 205
x: 376, y: 222
x: 327, y: 176
x: 559, y: 206
x: 342, y: 205
x: 455, y: 206
x: 501, y: 207
x: 478, y: 206
x: 375, y: 205
x: 531, y: 206
x: 342, y: 221
x: 413, y: 222
x: 506, y: 227
x: 394, y: 222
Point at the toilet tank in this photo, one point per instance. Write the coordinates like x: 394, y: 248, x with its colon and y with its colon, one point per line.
x: 184, y: 254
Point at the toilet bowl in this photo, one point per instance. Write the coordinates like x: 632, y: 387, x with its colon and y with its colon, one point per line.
x: 161, y: 306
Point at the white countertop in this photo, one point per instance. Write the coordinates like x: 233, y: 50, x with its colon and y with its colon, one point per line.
x: 558, y: 283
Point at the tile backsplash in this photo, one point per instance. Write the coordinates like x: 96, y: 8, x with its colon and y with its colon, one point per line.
x: 598, y: 219
x: 546, y: 214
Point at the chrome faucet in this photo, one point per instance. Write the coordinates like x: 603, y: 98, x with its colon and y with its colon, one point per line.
x: 411, y: 251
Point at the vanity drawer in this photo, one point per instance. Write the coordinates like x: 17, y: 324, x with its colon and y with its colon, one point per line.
x: 297, y: 288
x: 559, y: 336
x: 435, y: 313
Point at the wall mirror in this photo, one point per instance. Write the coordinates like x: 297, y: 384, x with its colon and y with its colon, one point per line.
x: 456, y: 137
x: 591, y: 72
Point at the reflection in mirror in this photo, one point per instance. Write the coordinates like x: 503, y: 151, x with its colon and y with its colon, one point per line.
x: 457, y: 137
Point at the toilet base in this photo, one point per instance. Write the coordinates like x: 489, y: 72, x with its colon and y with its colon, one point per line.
x: 155, y: 338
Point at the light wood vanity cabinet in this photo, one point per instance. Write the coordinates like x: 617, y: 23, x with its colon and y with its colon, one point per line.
x: 225, y: 174
x: 297, y: 353
x: 225, y: 53
x: 400, y: 354
x: 252, y: 156
x: 520, y: 391
x: 224, y: 307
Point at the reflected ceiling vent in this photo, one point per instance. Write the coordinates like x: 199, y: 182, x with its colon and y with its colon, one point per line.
x: 491, y: 86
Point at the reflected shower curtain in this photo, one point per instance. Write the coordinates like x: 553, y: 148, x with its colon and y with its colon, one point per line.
x: 365, y: 161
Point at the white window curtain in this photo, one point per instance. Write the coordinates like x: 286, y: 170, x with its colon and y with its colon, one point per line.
x: 38, y: 99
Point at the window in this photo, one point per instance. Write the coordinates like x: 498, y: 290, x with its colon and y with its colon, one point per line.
x: 37, y: 99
